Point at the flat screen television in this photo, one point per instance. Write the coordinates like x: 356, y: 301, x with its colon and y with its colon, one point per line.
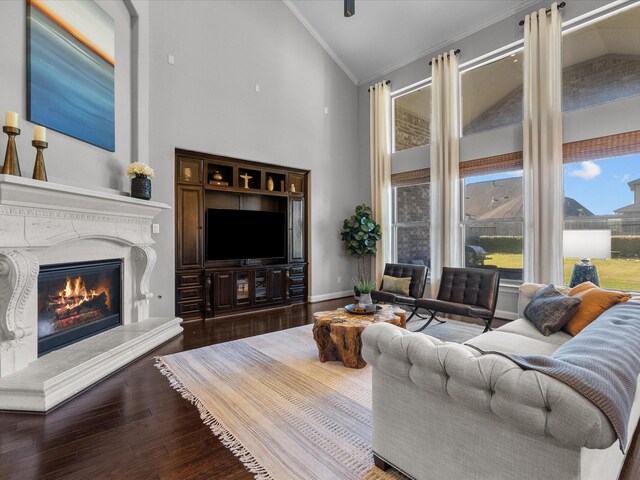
x: 245, y: 234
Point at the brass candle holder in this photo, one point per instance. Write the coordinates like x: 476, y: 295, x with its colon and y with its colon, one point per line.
x: 11, y: 163
x: 39, y: 172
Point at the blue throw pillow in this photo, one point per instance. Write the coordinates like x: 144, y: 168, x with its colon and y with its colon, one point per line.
x: 550, y: 310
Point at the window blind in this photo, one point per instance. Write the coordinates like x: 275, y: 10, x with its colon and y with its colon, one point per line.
x: 496, y: 164
x: 616, y: 145
x: 413, y: 177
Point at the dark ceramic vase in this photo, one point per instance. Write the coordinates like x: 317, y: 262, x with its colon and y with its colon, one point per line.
x: 141, y: 187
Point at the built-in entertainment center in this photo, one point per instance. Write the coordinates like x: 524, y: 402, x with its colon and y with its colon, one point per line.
x: 241, y: 235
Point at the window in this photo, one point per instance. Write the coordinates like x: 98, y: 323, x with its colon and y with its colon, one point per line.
x: 601, y: 62
x: 492, y: 95
x: 602, y: 215
x: 411, y: 227
x: 492, y: 214
x: 412, y: 118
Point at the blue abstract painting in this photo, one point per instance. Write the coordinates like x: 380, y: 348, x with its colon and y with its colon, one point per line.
x: 71, y: 65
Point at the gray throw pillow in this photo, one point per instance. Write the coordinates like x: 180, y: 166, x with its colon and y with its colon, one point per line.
x: 550, y: 310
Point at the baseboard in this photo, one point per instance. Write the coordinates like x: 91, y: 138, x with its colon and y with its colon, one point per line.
x: 329, y: 296
x: 506, y: 315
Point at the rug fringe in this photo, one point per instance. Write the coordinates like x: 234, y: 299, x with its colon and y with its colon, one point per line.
x: 225, y: 436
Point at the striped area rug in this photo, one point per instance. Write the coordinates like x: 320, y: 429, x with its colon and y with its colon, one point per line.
x: 451, y: 331
x: 282, y: 412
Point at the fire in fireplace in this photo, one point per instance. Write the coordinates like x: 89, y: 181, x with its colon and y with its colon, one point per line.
x: 76, y: 301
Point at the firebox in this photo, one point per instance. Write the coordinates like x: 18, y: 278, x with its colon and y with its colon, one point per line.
x: 76, y: 301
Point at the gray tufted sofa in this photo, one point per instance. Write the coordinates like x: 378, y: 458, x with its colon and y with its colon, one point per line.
x: 442, y: 410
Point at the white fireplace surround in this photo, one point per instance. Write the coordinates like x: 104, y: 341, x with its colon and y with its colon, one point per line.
x: 43, y: 224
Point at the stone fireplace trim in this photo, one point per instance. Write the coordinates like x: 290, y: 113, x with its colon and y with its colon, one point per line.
x: 45, y: 223
x: 20, y: 269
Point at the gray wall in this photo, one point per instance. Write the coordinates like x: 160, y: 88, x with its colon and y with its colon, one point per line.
x: 580, y: 124
x: 206, y: 102
x: 69, y: 161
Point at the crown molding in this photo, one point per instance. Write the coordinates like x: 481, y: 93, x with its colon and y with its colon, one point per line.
x: 298, y: 14
x: 506, y: 13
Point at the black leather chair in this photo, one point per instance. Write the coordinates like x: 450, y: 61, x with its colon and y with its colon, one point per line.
x: 418, y: 274
x: 469, y: 292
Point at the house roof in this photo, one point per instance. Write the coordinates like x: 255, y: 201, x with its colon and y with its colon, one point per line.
x: 634, y: 182
x: 502, y: 199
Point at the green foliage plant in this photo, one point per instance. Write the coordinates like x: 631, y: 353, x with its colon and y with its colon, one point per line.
x: 364, y: 286
x: 359, y: 233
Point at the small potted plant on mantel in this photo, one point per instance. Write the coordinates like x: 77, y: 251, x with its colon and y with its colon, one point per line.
x: 141, y: 175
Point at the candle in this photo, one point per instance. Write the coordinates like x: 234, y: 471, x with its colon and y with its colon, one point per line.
x: 40, y: 134
x: 11, y: 119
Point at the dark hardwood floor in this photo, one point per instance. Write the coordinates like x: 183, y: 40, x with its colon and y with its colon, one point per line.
x: 133, y: 425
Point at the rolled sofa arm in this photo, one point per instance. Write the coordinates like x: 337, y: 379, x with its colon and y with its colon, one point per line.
x: 526, y: 399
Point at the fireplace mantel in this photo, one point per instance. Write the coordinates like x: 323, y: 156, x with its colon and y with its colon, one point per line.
x: 35, y: 213
x: 45, y: 223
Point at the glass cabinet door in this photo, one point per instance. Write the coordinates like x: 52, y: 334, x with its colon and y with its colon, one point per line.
x: 261, y: 286
x: 243, y: 296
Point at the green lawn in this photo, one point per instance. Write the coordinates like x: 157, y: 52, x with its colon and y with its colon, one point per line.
x: 619, y: 273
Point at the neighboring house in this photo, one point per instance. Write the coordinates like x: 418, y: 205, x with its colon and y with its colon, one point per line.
x: 502, y: 199
x: 634, y: 208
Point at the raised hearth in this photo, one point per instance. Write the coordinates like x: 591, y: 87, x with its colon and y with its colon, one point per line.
x: 43, y: 226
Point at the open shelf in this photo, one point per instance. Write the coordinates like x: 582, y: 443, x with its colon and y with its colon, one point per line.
x: 279, y: 181
x: 247, y: 191
x: 249, y: 177
x: 219, y: 175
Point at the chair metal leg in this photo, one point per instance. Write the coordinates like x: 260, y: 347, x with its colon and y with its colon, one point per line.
x: 415, y: 312
x: 431, y: 319
x: 487, y: 322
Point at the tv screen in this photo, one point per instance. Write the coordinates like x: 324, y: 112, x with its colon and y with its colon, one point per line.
x: 245, y: 234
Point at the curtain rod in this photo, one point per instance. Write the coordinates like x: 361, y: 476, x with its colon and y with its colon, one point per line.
x: 447, y: 53
x: 387, y: 82
x: 560, y: 5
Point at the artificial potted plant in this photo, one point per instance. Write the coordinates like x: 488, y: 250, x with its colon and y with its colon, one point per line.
x: 359, y: 233
x: 141, y: 175
x: 364, y: 287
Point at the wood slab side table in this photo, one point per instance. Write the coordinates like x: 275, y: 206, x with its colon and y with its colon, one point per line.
x: 337, y: 333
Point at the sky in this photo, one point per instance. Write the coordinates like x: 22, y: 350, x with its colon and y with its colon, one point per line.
x: 599, y: 185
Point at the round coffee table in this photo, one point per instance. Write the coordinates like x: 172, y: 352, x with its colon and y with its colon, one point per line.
x: 337, y: 333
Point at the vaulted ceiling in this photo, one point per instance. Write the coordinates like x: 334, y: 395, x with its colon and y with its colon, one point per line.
x: 386, y: 34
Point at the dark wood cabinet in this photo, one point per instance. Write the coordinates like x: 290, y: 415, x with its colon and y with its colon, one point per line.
x: 247, y: 288
x: 277, y: 284
x: 222, y: 290
x: 209, y: 288
x: 189, y: 245
x: 296, y: 230
x: 297, y: 282
x: 189, y: 295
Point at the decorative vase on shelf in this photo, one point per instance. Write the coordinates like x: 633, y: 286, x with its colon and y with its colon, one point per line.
x: 217, y: 176
x: 141, y: 187
x: 270, y: 184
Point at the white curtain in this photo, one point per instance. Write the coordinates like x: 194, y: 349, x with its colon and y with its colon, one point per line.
x: 542, y: 152
x: 445, y: 151
x: 380, y: 152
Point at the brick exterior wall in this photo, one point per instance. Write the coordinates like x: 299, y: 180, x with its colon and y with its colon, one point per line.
x: 413, y: 204
x: 595, y: 81
x: 412, y: 130
x: 589, y: 83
